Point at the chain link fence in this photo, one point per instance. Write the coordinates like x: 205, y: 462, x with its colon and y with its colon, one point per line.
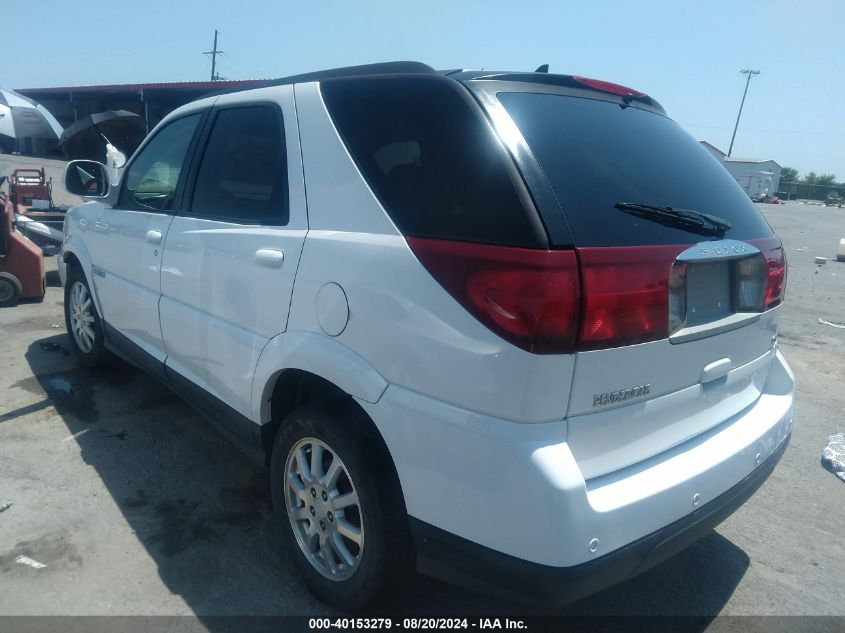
x: 805, y: 191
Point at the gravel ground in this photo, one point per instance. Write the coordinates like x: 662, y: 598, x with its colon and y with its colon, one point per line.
x: 136, y: 506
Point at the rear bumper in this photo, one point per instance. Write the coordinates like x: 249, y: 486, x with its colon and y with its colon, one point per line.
x: 505, y: 491
x: 462, y: 562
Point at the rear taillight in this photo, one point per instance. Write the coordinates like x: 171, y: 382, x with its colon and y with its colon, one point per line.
x: 540, y: 301
x: 772, y: 250
x: 626, y: 294
x: 529, y: 297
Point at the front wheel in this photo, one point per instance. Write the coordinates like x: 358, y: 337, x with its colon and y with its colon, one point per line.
x: 82, y: 321
x: 337, y: 496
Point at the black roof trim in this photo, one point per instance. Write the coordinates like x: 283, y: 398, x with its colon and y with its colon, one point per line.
x: 411, y: 67
x: 381, y: 68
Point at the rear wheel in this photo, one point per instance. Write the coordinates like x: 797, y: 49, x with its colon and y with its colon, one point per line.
x: 337, y: 497
x: 83, y: 324
x: 10, y: 290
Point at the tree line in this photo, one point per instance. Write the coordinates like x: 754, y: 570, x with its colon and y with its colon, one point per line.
x: 812, y: 185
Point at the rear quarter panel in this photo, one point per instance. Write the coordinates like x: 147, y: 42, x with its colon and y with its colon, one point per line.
x: 401, y: 320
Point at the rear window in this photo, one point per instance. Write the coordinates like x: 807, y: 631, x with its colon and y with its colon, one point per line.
x: 435, y: 164
x: 596, y: 153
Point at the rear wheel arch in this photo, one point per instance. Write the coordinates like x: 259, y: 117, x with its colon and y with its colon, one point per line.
x: 293, y: 389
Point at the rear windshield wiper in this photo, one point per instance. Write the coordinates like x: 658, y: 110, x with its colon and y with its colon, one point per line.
x: 685, y: 219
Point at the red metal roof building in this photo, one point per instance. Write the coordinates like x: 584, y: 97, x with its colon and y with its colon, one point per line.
x: 151, y: 100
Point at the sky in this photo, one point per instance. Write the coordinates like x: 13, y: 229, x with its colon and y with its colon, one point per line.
x: 687, y: 55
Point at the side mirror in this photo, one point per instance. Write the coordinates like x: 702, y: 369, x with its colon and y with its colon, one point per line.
x: 87, y: 178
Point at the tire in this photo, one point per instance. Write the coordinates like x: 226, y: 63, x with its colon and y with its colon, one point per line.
x: 10, y: 290
x: 375, y: 568
x: 88, y: 343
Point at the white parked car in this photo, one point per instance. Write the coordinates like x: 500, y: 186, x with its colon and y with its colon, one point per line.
x: 518, y: 330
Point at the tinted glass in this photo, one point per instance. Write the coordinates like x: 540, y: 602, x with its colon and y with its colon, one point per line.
x: 243, y: 174
x: 596, y: 154
x: 150, y: 182
x: 434, y: 164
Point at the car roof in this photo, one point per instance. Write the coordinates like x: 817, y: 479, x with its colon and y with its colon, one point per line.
x: 400, y: 68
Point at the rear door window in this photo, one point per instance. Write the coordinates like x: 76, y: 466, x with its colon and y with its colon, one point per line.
x: 597, y: 153
x: 434, y: 163
x: 243, y: 174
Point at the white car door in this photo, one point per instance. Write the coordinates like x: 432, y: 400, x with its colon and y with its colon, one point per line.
x: 126, y: 241
x: 231, y: 257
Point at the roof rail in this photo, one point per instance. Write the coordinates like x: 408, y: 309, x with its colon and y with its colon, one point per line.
x: 382, y: 68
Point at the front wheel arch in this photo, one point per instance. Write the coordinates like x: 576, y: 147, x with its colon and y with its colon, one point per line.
x: 96, y: 354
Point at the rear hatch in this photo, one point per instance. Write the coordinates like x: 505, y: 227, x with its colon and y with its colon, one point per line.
x: 680, y: 275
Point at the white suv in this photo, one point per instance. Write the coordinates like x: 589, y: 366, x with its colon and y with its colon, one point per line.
x: 518, y: 330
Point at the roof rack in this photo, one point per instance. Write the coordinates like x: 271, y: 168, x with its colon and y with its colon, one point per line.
x: 382, y: 68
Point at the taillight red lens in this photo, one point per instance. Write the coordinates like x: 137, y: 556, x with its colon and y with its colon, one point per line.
x: 529, y: 297
x: 626, y: 294
x: 607, y: 86
x: 539, y: 301
x: 772, y: 250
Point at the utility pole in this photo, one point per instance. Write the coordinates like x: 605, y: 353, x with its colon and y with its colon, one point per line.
x: 214, y: 53
x: 749, y: 74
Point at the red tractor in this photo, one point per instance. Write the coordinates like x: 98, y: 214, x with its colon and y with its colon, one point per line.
x: 21, y: 261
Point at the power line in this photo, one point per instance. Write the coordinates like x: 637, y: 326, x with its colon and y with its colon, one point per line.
x: 749, y: 74
x: 767, y: 130
x: 247, y: 70
x: 251, y: 54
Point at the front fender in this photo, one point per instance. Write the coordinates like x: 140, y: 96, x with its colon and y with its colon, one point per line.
x: 74, y: 246
x: 320, y: 355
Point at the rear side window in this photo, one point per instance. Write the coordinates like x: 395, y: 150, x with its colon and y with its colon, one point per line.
x: 434, y: 163
x: 596, y: 154
x: 243, y: 174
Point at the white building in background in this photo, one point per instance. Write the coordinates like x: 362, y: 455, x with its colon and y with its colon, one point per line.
x: 758, y: 177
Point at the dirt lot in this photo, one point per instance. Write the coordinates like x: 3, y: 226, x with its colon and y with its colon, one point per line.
x: 136, y: 506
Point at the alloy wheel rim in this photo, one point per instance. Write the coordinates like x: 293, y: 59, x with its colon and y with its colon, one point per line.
x: 81, y: 311
x: 323, y: 509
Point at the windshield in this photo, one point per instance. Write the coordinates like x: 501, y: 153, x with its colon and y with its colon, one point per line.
x: 596, y: 154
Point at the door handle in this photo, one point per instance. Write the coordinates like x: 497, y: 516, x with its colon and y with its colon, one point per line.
x: 154, y: 237
x: 716, y: 369
x: 270, y: 257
